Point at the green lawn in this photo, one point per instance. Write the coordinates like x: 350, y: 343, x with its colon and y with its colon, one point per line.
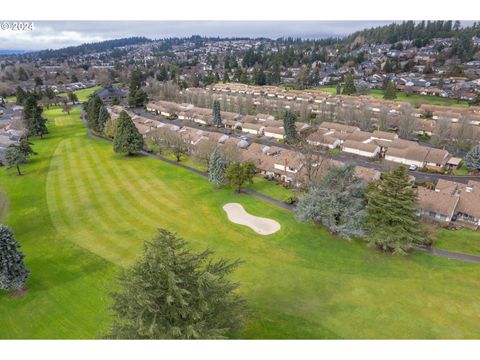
x: 414, y: 99
x: 82, y: 94
x: 81, y: 212
x: 3, y: 205
x: 464, y: 241
x: 462, y: 170
x: 272, y: 189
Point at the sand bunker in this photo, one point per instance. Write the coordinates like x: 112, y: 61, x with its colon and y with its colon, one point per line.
x: 237, y: 214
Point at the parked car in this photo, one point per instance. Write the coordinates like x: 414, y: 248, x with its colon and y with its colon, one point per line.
x: 413, y: 167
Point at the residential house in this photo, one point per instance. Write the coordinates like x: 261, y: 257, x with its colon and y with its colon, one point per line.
x: 255, y: 129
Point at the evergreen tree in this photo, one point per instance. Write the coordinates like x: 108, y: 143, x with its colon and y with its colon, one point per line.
x: 472, y: 159
x: 226, y: 78
x: 103, y: 117
x: 216, y: 168
x: 338, y: 89
x: 127, y: 139
x: 14, y: 157
x: 217, y: 119
x: 391, y: 213
x: 390, y: 91
x: 238, y: 173
x: 289, y: 118
x: 172, y: 292
x: 349, y: 87
x: 20, y: 95
x: 72, y: 97
x: 136, y: 96
x: 336, y: 201
x: 32, y: 117
x: 13, y: 273
x: 94, y: 105
x: 49, y: 93
x: 25, y: 147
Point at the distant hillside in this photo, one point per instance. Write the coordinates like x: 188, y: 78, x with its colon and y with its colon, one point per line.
x: 422, y: 31
x: 12, y: 52
x: 88, y: 48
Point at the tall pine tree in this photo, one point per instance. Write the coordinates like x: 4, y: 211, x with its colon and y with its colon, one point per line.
x: 172, y: 292
x: 392, y: 213
x: 103, y: 117
x: 33, y: 120
x: 289, y: 118
x: 94, y: 105
x: 349, y: 87
x: 13, y: 272
x: 217, y: 119
x: 127, y: 139
x: 390, y: 91
x: 216, y: 168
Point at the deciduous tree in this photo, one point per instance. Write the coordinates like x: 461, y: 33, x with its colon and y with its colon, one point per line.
x: 239, y: 173
x: 14, y: 157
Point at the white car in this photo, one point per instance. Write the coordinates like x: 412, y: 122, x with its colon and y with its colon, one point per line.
x: 413, y: 167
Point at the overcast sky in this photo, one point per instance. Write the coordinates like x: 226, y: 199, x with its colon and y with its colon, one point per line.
x: 57, y: 34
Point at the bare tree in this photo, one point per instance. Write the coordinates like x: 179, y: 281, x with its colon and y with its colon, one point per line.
x: 230, y: 153
x: 364, y: 117
x: 442, y: 132
x: 406, y: 125
x: 382, y: 118
x: 203, y: 150
x: 464, y: 132
x: 312, y: 161
x: 171, y: 141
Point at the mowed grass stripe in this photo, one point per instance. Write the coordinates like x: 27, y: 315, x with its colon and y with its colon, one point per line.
x: 60, y: 196
x: 149, y: 198
x: 104, y: 215
x: 153, y: 197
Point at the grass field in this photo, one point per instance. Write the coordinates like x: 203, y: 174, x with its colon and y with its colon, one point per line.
x: 3, y: 205
x: 82, y: 94
x: 464, y: 241
x: 81, y: 212
x: 414, y: 99
x: 260, y: 184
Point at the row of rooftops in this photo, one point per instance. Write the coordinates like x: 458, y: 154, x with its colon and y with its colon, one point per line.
x: 352, y: 137
x: 448, y: 198
x: 315, y: 96
x: 451, y: 200
x: 261, y: 123
x: 271, y: 160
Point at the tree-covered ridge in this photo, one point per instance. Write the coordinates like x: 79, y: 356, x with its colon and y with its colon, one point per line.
x: 411, y: 30
x: 88, y: 48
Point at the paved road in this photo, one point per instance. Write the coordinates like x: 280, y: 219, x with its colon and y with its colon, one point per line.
x: 451, y: 255
x: 447, y: 254
x: 379, y: 165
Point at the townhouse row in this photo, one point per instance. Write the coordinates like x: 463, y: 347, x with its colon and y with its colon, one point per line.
x: 315, y: 97
x: 451, y: 202
x: 273, y: 162
x: 381, y: 144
